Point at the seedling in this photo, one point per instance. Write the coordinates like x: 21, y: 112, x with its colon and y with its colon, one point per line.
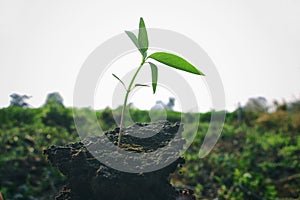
x: 171, y: 60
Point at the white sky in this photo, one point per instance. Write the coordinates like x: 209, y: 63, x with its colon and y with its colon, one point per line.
x: 254, y: 44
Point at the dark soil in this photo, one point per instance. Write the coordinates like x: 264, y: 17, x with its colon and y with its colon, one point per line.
x: 90, y: 179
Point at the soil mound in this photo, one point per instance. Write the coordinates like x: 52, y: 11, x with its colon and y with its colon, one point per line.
x: 88, y: 178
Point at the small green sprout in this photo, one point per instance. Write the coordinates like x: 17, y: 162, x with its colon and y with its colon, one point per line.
x: 171, y: 60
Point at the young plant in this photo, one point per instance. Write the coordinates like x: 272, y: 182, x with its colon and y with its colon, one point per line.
x: 171, y: 60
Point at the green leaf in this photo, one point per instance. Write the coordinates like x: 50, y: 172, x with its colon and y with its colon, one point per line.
x: 120, y: 81
x: 141, y: 85
x: 134, y: 40
x: 143, y: 37
x: 175, y: 62
x: 154, y: 76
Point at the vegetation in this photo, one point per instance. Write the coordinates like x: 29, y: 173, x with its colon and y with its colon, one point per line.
x: 255, y: 158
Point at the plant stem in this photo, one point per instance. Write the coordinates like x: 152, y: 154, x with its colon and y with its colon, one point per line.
x: 126, y: 98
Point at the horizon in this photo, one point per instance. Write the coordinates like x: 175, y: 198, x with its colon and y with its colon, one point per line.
x: 270, y: 105
x: 254, y: 45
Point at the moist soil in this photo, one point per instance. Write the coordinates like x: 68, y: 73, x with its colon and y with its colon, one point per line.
x: 90, y: 177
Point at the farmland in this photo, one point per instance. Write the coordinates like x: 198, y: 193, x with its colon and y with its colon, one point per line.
x: 256, y: 157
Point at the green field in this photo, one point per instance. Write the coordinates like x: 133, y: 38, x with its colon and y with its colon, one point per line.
x: 256, y: 157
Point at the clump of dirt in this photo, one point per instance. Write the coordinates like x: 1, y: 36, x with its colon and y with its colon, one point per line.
x: 90, y: 177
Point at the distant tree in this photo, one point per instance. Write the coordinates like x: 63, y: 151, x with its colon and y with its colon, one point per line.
x: 240, y: 113
x: 258, y: 104
x: 295, y: 106
x: 19, y: 100
x: 171, y: 103
x: 54, y: 99
x: 161, y: 105
x: 280, y: 106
